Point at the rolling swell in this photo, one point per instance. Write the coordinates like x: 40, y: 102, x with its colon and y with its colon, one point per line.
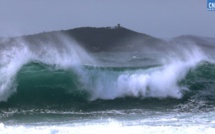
x: 39, y: 83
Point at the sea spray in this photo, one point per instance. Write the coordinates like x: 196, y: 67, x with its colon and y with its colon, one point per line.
x: 57, y: 50
x: 159, y: 82
x: 12, y: 59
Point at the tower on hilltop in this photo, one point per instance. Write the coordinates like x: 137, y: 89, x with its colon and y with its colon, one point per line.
x: 118, y: 26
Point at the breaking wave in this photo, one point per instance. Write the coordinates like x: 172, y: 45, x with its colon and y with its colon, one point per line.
x: 56, y: 70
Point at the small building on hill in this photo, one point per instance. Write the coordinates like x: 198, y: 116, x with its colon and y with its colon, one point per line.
x: 118, y: 26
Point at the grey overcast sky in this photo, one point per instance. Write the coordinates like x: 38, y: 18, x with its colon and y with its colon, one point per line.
x: 160, y: 18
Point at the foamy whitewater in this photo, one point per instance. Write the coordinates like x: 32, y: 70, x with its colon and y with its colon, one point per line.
x: 53, y: 86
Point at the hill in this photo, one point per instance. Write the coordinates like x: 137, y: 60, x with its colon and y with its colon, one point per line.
x: 110, y: 39
x: 98, y: 39
x: 106, y: 39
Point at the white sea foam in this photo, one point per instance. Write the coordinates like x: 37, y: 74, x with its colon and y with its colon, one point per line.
x: 132, y: 121
x: 106, y: 128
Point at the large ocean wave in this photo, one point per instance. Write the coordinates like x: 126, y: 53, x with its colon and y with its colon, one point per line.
x: 59, y: 71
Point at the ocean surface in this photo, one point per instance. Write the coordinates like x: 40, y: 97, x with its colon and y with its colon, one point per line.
x: 59, y: 88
